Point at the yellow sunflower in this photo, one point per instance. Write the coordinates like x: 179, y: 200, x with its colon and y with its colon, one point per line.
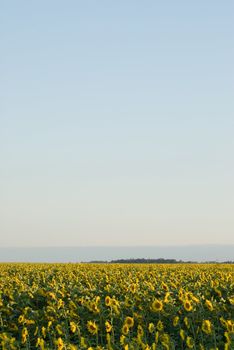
x: 157, y: 305
x: 207, y: 326
x: 92, y: 327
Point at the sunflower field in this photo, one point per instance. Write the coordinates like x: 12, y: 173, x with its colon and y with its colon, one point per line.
x: 116, y: 306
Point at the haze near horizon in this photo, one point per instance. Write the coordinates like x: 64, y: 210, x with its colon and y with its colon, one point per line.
x: 116, y: 123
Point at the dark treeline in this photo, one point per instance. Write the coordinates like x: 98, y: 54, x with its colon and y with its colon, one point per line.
x: 155, y: 261
x: 145, y: 261
x: 142, y: 261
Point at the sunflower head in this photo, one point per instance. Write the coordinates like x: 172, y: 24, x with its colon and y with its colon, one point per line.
x: 157, y: 305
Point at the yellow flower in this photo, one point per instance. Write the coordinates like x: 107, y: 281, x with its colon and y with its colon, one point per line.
x: 195, y: 299
x: 140, y: 330
x: 157, y: 305
x: 24, y: 335
x: 175, y: 321
x: 188, y: 305
x: 156, y: 337
x: 129, y: 321
x: 166, y: 298
x: 230, y: 326
x: 73, y: 327
x: 165, y: 339
x: 92, y: 327
x: 227, y: 337
x: 43, y: 331
x: 83, y: 342
x: 125, y: 329
x: 122, y: 339
x: 151, y: 327
x: 190, y: 342
x: 72, y: 347
x: 59, y: 329
x: 166, y: 346
x: 116, y: 310
x: 182, y: 334
x: 108, y: 300
x: 94, y: 308
x: 223, y: 321
x: 21, y: 319
x: 165, y: 286
x: 209, y: 305
x: 60, y: 344
x: 108, y: 327
x: 60, y: 303
x: 114, y: 302
x: 40, y: 343
x: 207, y: 326
x: 186, y: 322
x: 160, y: 326
x: 52, y: 295
x: 133, y: 288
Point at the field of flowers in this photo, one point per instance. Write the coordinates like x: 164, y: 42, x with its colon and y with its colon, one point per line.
x: 111, y: 306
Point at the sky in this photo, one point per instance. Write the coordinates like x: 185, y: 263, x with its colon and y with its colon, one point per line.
x: 116, y: 123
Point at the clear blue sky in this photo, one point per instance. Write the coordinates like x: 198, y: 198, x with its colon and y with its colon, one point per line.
x: 117, y: 122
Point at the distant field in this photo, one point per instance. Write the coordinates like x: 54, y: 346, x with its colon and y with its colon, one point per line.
x: 129, y: 307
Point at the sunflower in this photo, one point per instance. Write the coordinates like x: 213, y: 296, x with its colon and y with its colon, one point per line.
x: 160, y: 326
x: 122, y: 339
x: 226, y: 335
x: 94, y: 308
x: 72, y: 327
x: 60, y: 344
x: 108, y: 300
x: 190, y: 342
x: 157, y: 305
x: 186, y: 322
x: 207, y: 326
x: 40, y: 343
x: 140, y: 330
x: 230, y: 326
x: 151, y: 327
x: 24, y: 335
x: 133, y: 288
x: 92, y: 327
x: 165, y: 286
x: 108, y: 327
x: 209, y: 305
x: 165, y: 339
x: 182, y: 334
x: 72, y: 347
x: 129, y: 321
x: 187, y: 305
x: 166, y: 298
x: 125, y: 329
x: 21, y: 319
x: 176, y: 321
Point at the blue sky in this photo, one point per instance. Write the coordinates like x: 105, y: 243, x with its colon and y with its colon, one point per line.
x: 116, y: 122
